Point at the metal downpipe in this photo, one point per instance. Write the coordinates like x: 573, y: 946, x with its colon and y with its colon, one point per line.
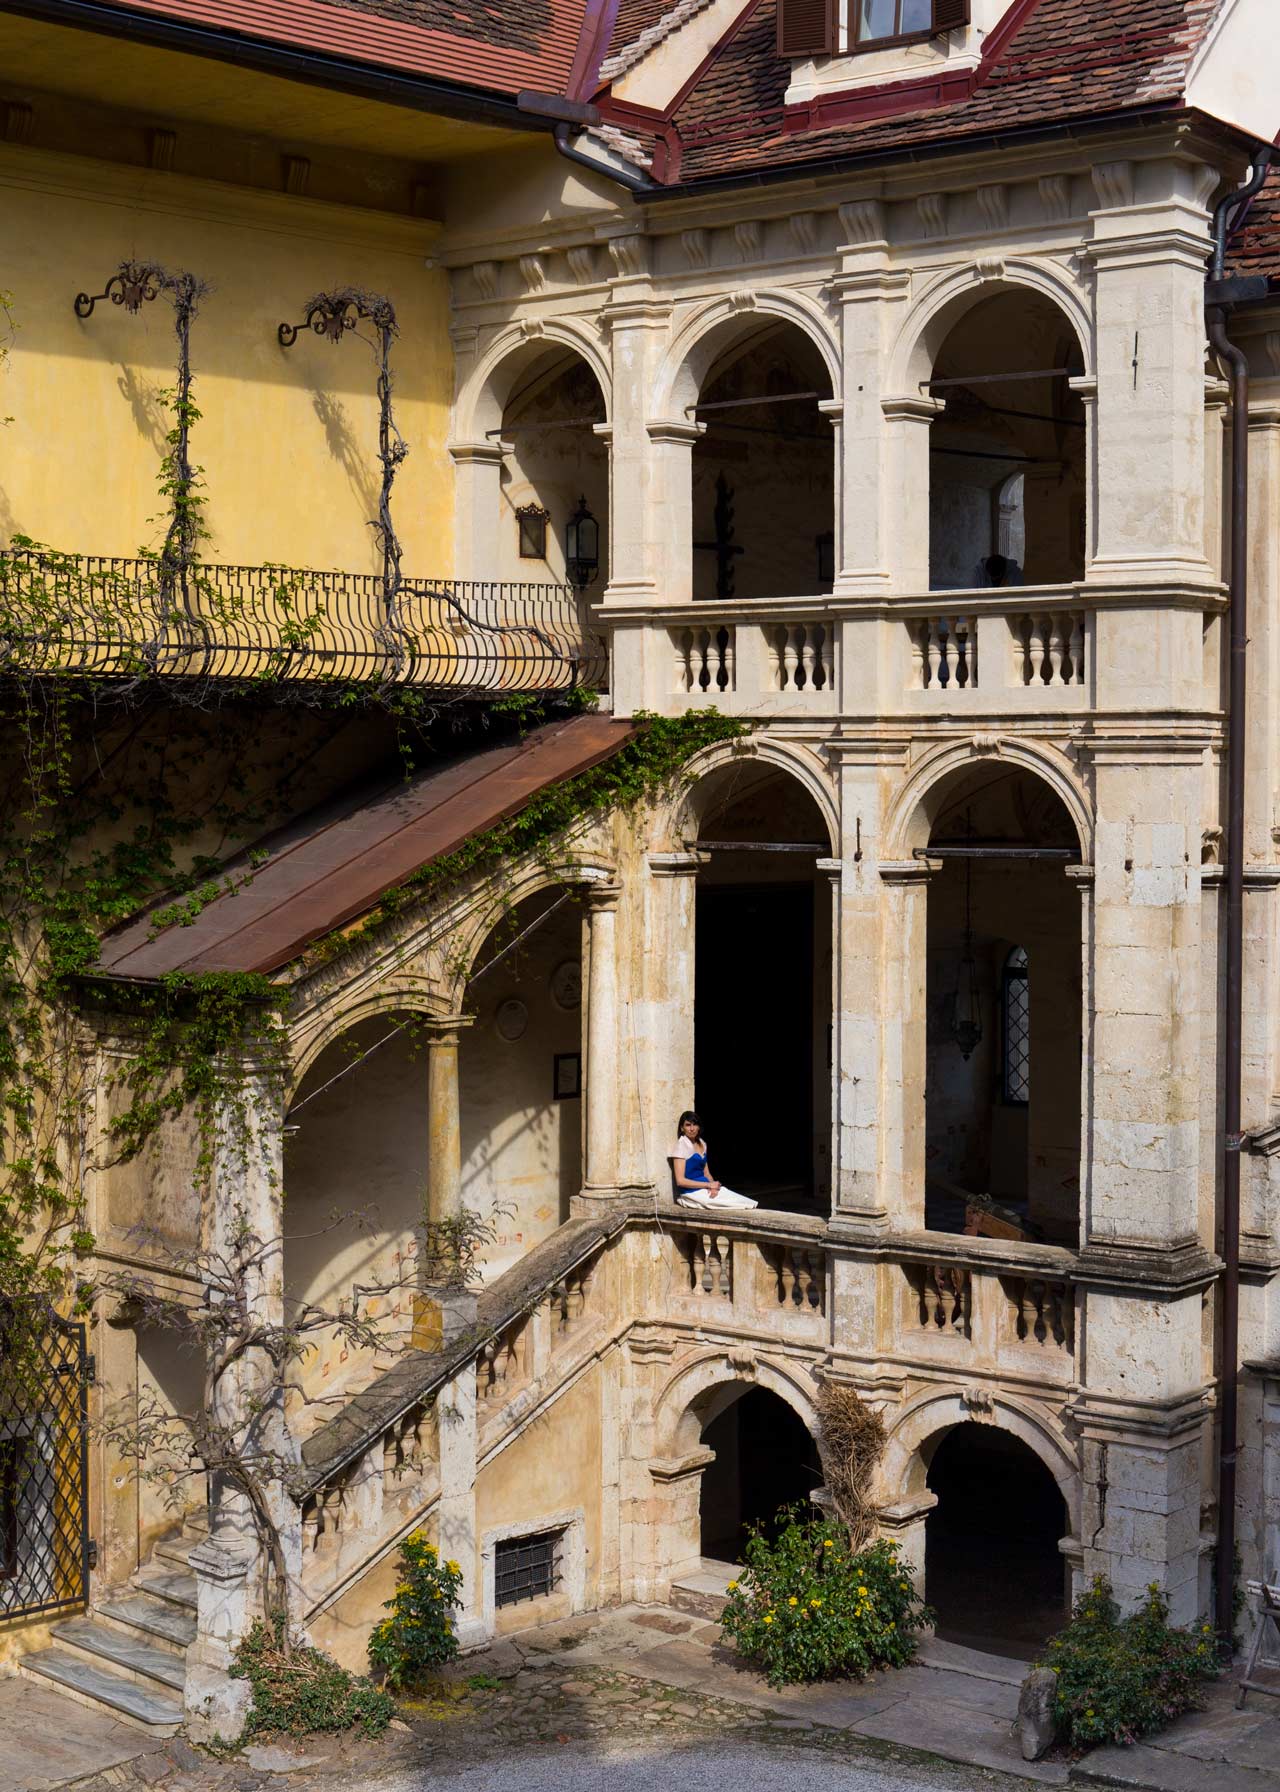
x: 1227, y: 216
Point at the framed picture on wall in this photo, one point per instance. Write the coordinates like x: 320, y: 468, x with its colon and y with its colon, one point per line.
x: 567, y: 1076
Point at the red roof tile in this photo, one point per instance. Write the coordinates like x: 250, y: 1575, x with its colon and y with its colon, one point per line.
x: 501, y: 48
x: 1061, y: 60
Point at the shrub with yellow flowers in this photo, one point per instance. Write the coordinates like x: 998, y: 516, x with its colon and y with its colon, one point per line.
x: 1122, y: 1677
x: 419, y: 1634
x: 808, y: 1607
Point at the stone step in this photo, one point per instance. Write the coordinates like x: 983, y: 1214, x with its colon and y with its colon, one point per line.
x: 702, y: 1588
x: 172, y: 1552
x: 135, y: 1659
x: 145, y: 1708
x: 159, y: 1620
x: 169, y: 1584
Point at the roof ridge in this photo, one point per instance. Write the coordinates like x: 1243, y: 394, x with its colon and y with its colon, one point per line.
x: 628, y: 56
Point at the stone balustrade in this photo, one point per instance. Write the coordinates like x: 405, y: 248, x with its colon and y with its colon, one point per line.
x: 1009, y: 1308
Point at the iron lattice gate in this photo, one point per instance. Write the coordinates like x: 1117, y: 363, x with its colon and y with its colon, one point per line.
x: 45, y: 1370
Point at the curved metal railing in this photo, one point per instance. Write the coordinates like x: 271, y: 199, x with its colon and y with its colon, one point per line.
x: 128, y: 619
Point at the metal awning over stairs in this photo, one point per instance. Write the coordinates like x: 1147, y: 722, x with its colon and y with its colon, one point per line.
x: 331, y: 866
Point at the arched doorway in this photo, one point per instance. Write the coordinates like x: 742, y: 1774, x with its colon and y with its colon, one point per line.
x: 1007, y: 454
x: 765, y: 1460
x: 1004, y: 987
x: 994, y: 1573
x: 762, y: 986
x: 764, y: 436
x: 520, y: 1076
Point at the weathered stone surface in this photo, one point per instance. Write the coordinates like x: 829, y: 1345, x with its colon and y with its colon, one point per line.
x: 1035, y: 1723
x: 271, y: 1758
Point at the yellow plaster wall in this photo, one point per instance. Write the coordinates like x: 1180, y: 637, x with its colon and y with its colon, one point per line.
x: 287, y: 439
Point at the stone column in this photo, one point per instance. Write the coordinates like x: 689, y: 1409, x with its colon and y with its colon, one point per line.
x: 602, y: 1069
x: 456, y: 1512
x: 478, y: 506
x: 444, y: 1120
x: 1144, y: 1266
x: 665, y: 1022
x: 902, y: 991
x: 872, y: 296
x: 1148, y: 252
x: 637, y: 328
x: 242, y: 1226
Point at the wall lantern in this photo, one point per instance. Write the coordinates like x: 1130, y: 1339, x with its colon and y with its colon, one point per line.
x: 582, y: 547
x: 533, y: 520
x: 966, y: 1012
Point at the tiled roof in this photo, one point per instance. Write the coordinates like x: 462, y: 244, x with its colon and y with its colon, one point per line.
x: 635, y: 16
x: 499, y: 48
x: 1256, y: 247
x: 1056, y: 61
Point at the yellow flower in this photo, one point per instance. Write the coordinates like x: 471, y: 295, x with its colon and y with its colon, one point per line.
x: 453, y: 1568
x: 732, y: 1587
x: 828, y: 1544
x: 793, y: 1601
x: 815, y: 1602
x: 768, y: 1617
x: 903, y: 1587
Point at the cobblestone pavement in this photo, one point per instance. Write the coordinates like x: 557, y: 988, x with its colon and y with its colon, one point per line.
x: 649, y: 1698
x: 543, y: 1728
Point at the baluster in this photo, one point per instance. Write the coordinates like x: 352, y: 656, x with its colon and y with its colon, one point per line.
x: 964, y: 656
x: 724, y: 1251
x: 1075, y: 649
x: 789, y: 660
x: 933, y: 655
x: 786, y: 1278
x: 584, y: 1290
x: 932, y: 1298
x: 777, y: 658
x: 702, y: 659
x: 684, y: 660
x: 706, y: 1249
x: 1044, y: 651
x: 805, y: 1292
x: 1057, y: 650
x: 1018, y: 626
x: 827, y: 656
x: 919, y: 636
x: 728, y: 659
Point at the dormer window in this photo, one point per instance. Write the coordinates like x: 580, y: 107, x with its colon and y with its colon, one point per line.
x: 811, y: 28
x: 886, y: 21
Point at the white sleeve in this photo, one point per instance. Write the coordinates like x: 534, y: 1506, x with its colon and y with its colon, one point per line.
x: 683, y: 1150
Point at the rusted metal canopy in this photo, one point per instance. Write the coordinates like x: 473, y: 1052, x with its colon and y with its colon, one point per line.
x: 330, y: 867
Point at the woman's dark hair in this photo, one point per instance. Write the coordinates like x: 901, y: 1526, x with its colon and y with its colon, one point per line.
x: 684, y: 1119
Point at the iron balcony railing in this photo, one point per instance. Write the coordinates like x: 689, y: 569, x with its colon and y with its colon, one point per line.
x: 122, y: 619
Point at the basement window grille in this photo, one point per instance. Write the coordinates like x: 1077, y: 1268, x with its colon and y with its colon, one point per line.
x: 526, y: 1567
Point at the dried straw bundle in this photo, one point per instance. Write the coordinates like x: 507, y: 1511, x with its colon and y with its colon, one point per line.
x: 853, y: 1441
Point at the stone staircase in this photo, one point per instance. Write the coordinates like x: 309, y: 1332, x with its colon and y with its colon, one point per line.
x: 702, y: 1588
x: 128, y: 1655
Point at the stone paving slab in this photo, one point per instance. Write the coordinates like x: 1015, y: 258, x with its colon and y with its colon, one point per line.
x: 49, y: 1740
x: 1148, y: 1768
x: 958, y: 1733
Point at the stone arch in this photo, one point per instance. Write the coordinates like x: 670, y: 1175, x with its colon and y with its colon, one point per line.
x: 677, y: 819
x: 678, y: 1427
x: 905, y: 1466
x: 931, y: 319
x: 488, y: 388
x: 482, y: 917
x: 908, y: 821
x: 711, y: 327
x: 425, y: 997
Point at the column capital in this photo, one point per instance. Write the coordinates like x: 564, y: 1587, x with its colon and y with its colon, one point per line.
x: 678, y: 864
x: 909, y: 871
x: 601, y: 896
x: 444, y: 1029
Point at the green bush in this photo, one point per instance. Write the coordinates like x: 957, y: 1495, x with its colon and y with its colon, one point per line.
x: 419, y: 1634
x: 808, y: 1607
x: 305, y: 1690
x: 1120, y: 1678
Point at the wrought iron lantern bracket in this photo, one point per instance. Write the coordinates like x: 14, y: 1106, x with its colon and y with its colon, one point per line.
x: 133, y: 285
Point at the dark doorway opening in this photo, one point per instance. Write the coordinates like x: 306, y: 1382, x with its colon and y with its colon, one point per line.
x: 993, y: 1571
x: 753, y: 1040
x: 765, y: 1460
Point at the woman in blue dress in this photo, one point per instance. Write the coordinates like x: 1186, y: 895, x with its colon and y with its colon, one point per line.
x: 695, y: 1185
